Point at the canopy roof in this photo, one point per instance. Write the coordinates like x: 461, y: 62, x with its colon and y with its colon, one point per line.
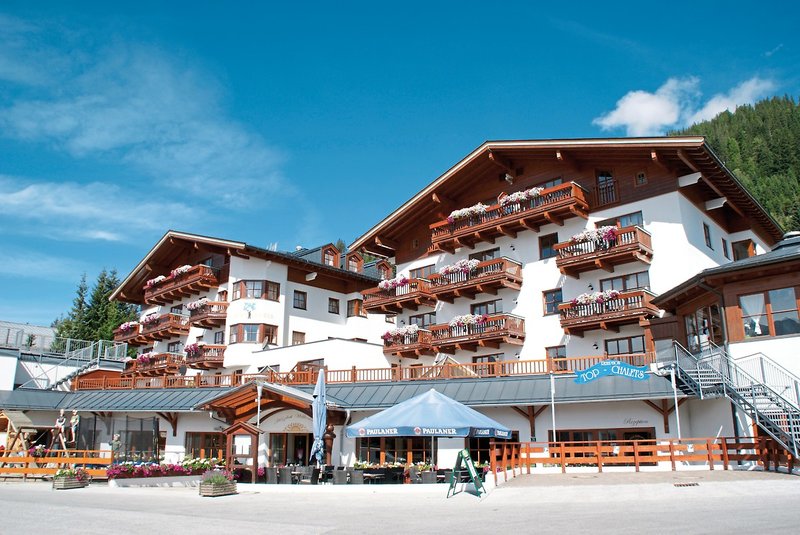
x: 429, y: 414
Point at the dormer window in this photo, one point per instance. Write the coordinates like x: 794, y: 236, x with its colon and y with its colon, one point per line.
x: 330, y: 256
x: 384, y: 269
x: 355, y: 263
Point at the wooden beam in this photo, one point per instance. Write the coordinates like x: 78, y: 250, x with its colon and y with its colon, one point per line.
x: 685, y: 159
x: 439, y: 198
x: 559, y: 155
x: 172, y: 419
x: 386, y: 243
x: 688, y: 180
x: 501, y: 162
x: 715, y: 204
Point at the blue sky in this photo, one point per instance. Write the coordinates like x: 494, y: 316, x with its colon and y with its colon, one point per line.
x: 304, y: 123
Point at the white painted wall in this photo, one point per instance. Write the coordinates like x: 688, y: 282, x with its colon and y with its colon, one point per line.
x: 785, y: 350
x: 337, y: 353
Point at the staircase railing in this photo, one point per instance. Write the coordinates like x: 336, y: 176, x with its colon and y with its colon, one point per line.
x: 76, y: 356
x: 773, y: 374
x: 714, y: 373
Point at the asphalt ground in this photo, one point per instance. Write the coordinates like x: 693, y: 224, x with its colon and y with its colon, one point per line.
x: 720, y: 502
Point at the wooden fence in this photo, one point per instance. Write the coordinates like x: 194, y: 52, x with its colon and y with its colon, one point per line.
x: 22, y: 464
x: 515, y: 458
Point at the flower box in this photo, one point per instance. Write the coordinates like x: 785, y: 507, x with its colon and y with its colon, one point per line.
x: 217, y: 489
x: 64, y: 483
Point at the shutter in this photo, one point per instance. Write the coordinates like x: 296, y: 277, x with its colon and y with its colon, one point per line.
x: 262, y: 331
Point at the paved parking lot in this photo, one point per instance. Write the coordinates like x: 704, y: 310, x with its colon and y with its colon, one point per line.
x: 721, y: 502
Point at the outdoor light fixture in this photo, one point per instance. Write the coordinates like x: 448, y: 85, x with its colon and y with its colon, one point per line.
x: 509, y: 178
x: 595, y: 346
x: 591, y: 288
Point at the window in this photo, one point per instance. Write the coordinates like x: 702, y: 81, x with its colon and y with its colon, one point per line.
x: 626, y: 220
x: 329, y: 258
x: 354, y: 263
x: 298, y: 338
x: 546, y: 244
x: 273, y: 291
x: 390, y: 318
x: 552, y: 298
x: 300, y: 299
x: 422, y: 272
x: 725, y: 252
x: 606, y: 188
x: 253, y: 333
x: 174, y: 347
x: 557, y: 354
x: 333, y: 305
x: 250, y: 333
x: 384, y: 270
x: 703, y: 325
x: 770, y: 313
x: 743, y: 249
x: 483, y: 256
x: 641, y: 179
x: 423, y: 320
x: 415, y: 243
x: 625, y: 346
x: 219, y: 338
x: 210, y: 444
x: 489, y: 368
x: 622, y: 283
x: 552, y: 183
x: 256, y: 290
x: 707, y: 235
x: 355, y: 307
x: 489, y: 308
x: 177, y: 309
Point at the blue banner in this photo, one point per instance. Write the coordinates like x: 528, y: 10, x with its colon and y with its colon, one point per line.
x: 612, y: 367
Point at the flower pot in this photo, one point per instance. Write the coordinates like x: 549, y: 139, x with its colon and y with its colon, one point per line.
x: 219, y: 489
x: 63, y: 483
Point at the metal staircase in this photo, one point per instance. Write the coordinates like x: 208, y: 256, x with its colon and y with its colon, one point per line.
x: 72, y: 357
x: 756, y: 385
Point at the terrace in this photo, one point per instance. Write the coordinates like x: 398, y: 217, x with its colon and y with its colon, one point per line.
x: 487, y: 277
x: 552, y: 205
x: 624, y: 308
x: 129, y: 334
x: 209, y: 314
x: 164, y: 326
x: 160, y: 364
x: 408, y: 345
x: 412, y: 294
x: 489, y: 331
x: 631, y: 244
x: 180, y: 284
x: 207, y: 357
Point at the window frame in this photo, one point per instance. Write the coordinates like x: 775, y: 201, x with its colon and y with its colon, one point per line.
x: 545, y: 301
x: 298, y: 338
x: 425, y: 315
x: 629, y: 340
x: 337, y: 302
x: 748, y: 243
x: 707, y: 235
x: 553, y: 252
x: 355, y: 308
x: 474, y: 307
x: 769, y: 313
x: 640, y: 179
x: 624, y: 278
x: 419, y: 273
x: 617, y: 220
x: 480, y: 256
x: 725, y: 251
x: 300, y: 297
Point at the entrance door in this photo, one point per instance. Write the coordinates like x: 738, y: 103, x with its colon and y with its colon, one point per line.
x: 289, y: 448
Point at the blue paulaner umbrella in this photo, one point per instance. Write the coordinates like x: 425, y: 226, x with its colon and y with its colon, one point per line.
x: 320, y: 417
x: 428, y: 415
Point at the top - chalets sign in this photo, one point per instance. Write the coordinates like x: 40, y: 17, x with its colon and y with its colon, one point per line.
x: 612, y: 367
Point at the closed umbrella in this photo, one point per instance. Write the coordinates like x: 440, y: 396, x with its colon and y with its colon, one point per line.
x: 320, y: 417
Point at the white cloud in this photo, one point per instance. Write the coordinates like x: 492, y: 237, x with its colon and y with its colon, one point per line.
x: 674, y: 105
x: 770, y: 53
x: 137, y: 106
x: 94, y: 211
x: 30, y: 264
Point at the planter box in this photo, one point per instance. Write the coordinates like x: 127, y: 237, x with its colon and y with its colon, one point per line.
x: 64, y: 483
x: 164, y: 481
x: 207, y: 489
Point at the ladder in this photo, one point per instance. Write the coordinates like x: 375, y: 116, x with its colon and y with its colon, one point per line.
x: 767, y: 399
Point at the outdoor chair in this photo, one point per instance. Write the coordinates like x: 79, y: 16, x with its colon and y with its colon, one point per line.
x: 313, y: 479
x: 428, y: 477
x: 357, y: 477
x: 272, y: 476
x: 339, y: 477
x: 413, y: 475
x: 285, y: 475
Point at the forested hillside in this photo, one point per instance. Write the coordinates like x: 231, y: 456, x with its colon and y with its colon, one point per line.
x: 761, y: 145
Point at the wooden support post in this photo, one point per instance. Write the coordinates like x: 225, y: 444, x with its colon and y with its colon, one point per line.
x: 665, y: 413
x: 528, y: 457
x: 599, y: 452
x: 505, y: 462
x: 710, y: 454
x: 492, y: 460
x: 636, y: 454
x: 725, y: 459
x: 563, y: 459
x: 672, y: 454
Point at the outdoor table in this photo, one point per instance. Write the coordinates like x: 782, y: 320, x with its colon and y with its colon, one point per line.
x: 372, y: 478
x: 297, y: 475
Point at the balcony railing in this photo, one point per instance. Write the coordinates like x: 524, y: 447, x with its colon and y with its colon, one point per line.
x: 409, y: 345
x: 496, y: 330
x: 207, y: 358
x: 488, y: 276
x: 416, y: 293
x: 630, y: 307
x: 209, y: 315
x: 165, y: 326
x: 161, y: 364
x: 197, y: 280
x: 487, y: 370
x: 553, y: 205
x: 131, y: 336
x: 630, y: 245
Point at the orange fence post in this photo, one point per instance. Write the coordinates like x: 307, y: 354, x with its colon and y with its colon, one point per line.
x: 562, y: 457
x: 672, y: 454
x: 710, y: 454
x: 492, y: 460
x: 725, y: 458
x: 599, y: 452
x: 636, y: 454
x: 528, y: 456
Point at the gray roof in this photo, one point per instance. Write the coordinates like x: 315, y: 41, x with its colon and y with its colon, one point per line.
x: 786, y: 250
x: 165, y: 399
x: 503, y: 391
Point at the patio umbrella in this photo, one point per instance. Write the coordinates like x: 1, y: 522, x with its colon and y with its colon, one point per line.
x: 428, y: 415
x: 320, y: 417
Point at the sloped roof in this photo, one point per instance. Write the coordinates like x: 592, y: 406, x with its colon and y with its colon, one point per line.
x: 143, y: 400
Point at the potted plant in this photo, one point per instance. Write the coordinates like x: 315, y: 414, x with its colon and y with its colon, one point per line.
x: 70, y: 478
x: 217, y: 483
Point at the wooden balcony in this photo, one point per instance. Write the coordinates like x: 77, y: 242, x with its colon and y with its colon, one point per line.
x: 497, y: 329
x: 209, y: 357
x: 409, y: 345
x: 209, y: 315
x: 412, y: 295
x: 629, y: 308
x: 488, y: 277
x: 130, y: 369
x: 197, y: 280
x: 165, y: 326
x: 161, y: 364
x: 554, y: 205
x: 632, y: 244
x: 132, y: 336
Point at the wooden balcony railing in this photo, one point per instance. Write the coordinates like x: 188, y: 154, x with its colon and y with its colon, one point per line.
x: 161, y: 364
x: 165, y: 326
x: 132, y: 336
x: 553, y: 205
x: 630, y: 307
x: 130, y: 369
x: 209, y: 315
x: 496, y: 330
x: 416, y: 293
x: 207, y: 358
x: 631, y: 244
x: 309, y: 375
x: 409, y: 345
x: 197, y: 280
x: 488, y: 276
